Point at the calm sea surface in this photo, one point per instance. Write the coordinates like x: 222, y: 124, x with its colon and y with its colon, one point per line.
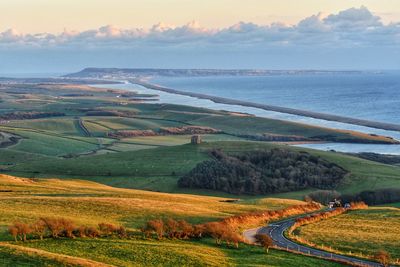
x: 368, y: 96
x: 371, y: 96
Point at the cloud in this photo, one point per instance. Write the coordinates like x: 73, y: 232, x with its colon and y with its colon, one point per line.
x: 353, y: 27
x: 352, y: 35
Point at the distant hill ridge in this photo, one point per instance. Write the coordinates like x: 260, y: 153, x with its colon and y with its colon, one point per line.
x: 144, y: 72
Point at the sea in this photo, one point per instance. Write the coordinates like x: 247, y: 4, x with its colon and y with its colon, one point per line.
x: 372, y: 96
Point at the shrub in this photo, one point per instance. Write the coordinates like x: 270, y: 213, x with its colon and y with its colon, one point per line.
x: 80, y: 231
x: 156, y: 226
x: 68, y: 227
x: 383, y: 257
x: 107, y: 228
x: 186, y: 229
x: 121, y: 231
x: 13, y: 230
x: 39, y: 229
x: 265, y: 241
x: 20, y: 230
x: 91, y: 232
x: 55, y: 226
x: 172, y: 227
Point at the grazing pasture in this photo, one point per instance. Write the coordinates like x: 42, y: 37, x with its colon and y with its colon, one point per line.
x: 360, y: 231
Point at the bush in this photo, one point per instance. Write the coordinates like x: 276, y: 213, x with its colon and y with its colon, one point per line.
x: 62, y: 227
x: 226, y: 230
x: 265, y: 241
x: 383, y: 257
x: 20, y: 230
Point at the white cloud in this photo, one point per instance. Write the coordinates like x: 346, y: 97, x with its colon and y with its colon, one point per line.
x: 350, y: 28
x: 354, y: 38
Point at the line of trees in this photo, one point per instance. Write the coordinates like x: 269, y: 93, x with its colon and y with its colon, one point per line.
x: 226, y: 230
x: 261, y: 172
x: 184, y: 130
x: 28, y: 115
x: 181, y: 229
x: 62, y: 227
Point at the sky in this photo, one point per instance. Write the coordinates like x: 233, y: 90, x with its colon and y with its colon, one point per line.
x: 67, y: 35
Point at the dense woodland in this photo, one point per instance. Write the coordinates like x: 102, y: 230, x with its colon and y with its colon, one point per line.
x: 261, y: 172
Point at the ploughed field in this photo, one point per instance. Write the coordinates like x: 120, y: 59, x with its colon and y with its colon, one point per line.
x: 359, y: 232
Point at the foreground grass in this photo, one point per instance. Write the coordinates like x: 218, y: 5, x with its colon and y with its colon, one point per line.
x: 361, y: 231
x: 173, y: 253
x: 91, y: 203
x: 13, y: 257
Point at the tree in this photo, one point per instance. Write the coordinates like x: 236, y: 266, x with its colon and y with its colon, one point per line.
x: 186, y: 229
x: 382, y: 257
x: 80, y: 231
x: 55, y: 226
x: 156, y: 226
x: 107, y: 228
x: 13, y: 231
x: 121, y: 231
x: 265, y: 241
x: 216, y: 230
x: 92, y: 232
x: 68, y: 227
x: 172, y: 227
x: 39, y: 228
x: 22, y: 230
x: 232, y: 237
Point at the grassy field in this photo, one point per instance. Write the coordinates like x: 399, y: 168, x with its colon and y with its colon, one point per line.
x: 90, y: 203
x: 174, y: 253
x: 362, y: 231
x: 87, y: 202
x: 159, y: 168
x: 15, y: 257
x: 58, y: 147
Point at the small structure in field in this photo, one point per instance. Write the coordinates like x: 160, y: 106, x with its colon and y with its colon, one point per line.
x: 335, y: 204
x: 196, y: 139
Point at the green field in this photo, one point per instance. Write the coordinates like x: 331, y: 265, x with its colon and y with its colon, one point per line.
x: 90, y: 203
x: 64, y: 147
x: 76, y: 149
x: 160, y: 168
x: 13, y: 257
x: 174, y: 253
x: 362, y: 231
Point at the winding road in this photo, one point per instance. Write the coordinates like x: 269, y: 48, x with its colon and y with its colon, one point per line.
x: 276, y: 232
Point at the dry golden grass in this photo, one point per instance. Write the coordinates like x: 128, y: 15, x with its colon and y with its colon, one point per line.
x: 361, y: 231
x: 89, y: 203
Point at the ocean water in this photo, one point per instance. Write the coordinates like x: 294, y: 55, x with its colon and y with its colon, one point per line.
x: 366, y: 95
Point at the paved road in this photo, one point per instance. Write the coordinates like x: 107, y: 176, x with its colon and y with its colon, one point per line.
x: 276, y: 232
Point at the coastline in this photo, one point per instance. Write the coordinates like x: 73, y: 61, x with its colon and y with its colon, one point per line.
x: 304, y: 113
